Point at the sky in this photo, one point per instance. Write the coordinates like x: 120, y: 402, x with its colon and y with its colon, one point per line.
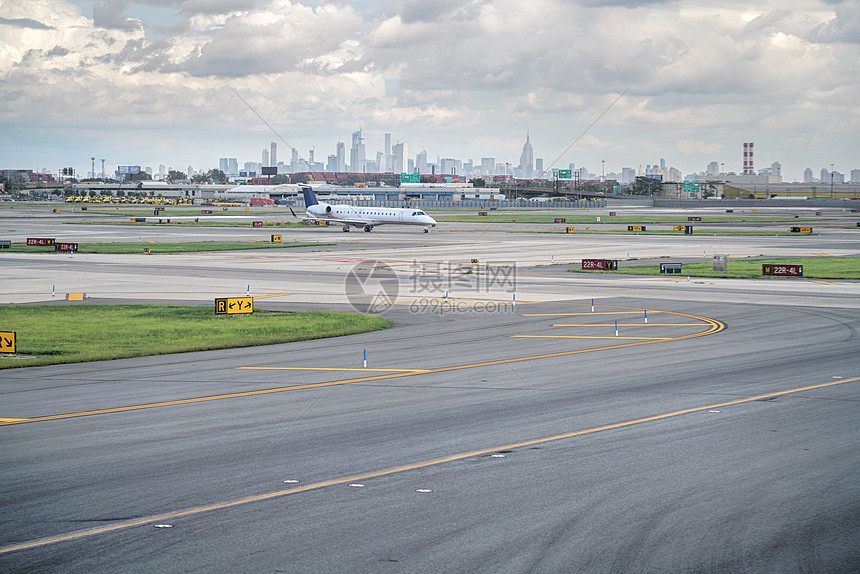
x: 625, y: 82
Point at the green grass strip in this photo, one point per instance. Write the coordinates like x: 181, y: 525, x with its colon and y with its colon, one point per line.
x: 591, y: 219
x: 711, y: 232
x: 57, y: 334
x: 813, y: 268
x: 189, y: 223
x: 155, y: 248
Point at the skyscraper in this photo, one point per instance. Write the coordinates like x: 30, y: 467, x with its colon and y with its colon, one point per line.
x: 341, y: 157
x: 273, y: 156
x: 357, y: 155
x: 527, y: 159
x: 400, y: 158
x: 265, y: 157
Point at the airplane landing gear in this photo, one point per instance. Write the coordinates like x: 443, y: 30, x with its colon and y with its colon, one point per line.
x: 368, y: 228
x: 346, y: 228
x: 426, y: 230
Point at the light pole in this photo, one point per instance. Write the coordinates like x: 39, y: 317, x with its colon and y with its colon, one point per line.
x: 831, y: 181
x: 603, y: 174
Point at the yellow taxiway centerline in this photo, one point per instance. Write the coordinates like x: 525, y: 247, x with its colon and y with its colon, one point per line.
x: 341, y: 369
x: 590, y: 337
x: 255, y: 297
x: 398, y: 469
x: 628, y: 325
x: 594, y: 313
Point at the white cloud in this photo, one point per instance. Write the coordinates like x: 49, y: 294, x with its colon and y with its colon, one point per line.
x: 465, y: 77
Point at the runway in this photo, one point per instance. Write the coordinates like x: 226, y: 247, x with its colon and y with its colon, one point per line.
x: 676, y: 426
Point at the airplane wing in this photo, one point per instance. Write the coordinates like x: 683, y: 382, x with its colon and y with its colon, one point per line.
x: 351, y: 221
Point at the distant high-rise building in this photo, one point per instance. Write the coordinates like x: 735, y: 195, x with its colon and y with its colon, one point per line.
x: 539, y: 166
x: 400, y: 158
x: 357, y: 154
x: 749, y: 164
x: 341, y: 157
x: 807, y: 176
x: 855, y: 176
x: 223, y: 164
x: 331, y: 163
x: 266, y: 158
x: 776, y: 168
x: 488, y: 164
x: 294, y: 160
x: 662, y: 163
x: 713, y: 168
x: 825, y: 176
x: 527, y: 159
x: 273, y: 156
x: 421, y: 162
x: 451, y: 166
x: 387, y: 159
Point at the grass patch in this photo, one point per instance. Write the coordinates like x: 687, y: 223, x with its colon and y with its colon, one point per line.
x: 813, y: 268
x: 126, y: 248
x: 81, y: 333
x: 711, y: 232
x: 189, y: 223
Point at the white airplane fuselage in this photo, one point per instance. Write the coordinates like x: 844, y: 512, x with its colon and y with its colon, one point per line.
x: 365, y: 217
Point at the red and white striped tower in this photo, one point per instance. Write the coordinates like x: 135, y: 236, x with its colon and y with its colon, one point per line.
x: 749, y: 168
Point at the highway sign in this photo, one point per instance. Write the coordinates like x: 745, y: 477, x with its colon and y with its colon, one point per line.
x: 7, y: 341
x: 565, y: 174
x: 234, y: 305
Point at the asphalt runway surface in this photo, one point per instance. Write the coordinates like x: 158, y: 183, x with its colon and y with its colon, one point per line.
x: 483, y: 435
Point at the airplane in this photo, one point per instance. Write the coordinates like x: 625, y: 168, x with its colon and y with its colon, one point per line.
x: 366, y: 217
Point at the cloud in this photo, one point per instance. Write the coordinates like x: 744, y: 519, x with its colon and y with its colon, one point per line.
x: 113, y: 15
x: 458, y: 75
x: 700, y: 147
x: 24, y: 23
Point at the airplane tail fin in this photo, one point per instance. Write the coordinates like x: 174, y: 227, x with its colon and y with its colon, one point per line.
x: 310, y: 197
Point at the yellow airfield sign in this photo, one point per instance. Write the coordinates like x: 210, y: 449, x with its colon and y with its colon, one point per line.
x: 234, y: 305
x: 7, y: 342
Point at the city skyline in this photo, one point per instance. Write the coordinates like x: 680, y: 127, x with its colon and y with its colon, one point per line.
x: 145, y: 82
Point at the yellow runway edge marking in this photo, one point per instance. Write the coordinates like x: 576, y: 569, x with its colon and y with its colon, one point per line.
x: 715, y: 327
x: 375, y: 474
